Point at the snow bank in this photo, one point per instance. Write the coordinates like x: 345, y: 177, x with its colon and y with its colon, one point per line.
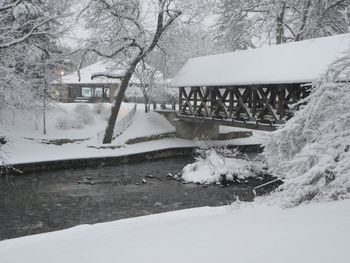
x: 25, y: 142
x: 312, y: 151
x: 314, y: 233
x: 145, y: 124
x: 214, y: 163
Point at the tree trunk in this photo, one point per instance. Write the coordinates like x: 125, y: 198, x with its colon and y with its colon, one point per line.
x: 300, y: 33
x: 1, y: 115
x: 44, y: 108
x: 108, y: 137
x: 146, y: 102
x: 280, y: 26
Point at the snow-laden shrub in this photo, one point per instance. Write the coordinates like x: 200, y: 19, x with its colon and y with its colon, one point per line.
x: 311, y: 153
x: 64, y: 122
x: 99, y: 108
x: 103, y: 110
x: 212, y: 163
x: 84, y: 114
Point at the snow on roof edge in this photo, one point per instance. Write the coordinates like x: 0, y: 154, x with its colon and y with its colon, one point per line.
x: 295, y: 62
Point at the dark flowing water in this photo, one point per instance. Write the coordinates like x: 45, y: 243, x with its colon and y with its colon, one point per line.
x: 38, y: 203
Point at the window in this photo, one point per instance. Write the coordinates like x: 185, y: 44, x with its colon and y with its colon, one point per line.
x: 99, y: 92
x: 86, y: 92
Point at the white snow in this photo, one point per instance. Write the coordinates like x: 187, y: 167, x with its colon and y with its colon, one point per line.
x: 298, y: 62
x: 144, y: 125
x: 311, y: 152
x: 87, y: 72
x: 208, y: 168
x: 316, y: 233
x: 20, y: 149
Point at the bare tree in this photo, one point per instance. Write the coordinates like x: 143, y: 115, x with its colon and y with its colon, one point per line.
x: 128, y: 31
x: 146, y: 76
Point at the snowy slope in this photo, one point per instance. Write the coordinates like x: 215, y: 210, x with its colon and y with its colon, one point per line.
x: 314, y: 233
x: 298, y: 62
x: 144, y: 125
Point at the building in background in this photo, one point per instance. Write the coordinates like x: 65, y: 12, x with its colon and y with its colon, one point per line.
x: 79, y: 87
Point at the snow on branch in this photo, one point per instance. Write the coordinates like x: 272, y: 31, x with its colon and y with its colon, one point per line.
x: 109, y: 75
x: 5, y: 7
x: 29, y: 34
x: 311, y: 152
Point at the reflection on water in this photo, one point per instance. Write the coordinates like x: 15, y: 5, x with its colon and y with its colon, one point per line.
x: 50, y: 201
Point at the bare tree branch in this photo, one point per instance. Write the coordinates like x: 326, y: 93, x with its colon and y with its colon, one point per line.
x: 29, y: 34
x: 6, y: 7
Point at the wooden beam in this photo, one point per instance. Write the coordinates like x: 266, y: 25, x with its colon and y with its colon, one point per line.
x: 267, y: 105
x: 241, y: 104
x: 203, y: 104
x: 221, y: 103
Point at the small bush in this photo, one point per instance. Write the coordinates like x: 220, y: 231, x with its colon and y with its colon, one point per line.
x: 65, y: 123
x: 99, y: 108
x: 83, y: 113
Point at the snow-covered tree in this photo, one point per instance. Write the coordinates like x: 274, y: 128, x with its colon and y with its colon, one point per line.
x: 25, y: 28
x: 247, y: 23
x: 186, y: 41
x: 311, y: 152
x: 28, y: 37
x: 233, y: 28
x: 128, y: 31
x: 147, y: 76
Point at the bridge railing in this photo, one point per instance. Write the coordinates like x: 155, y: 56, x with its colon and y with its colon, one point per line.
x: 164, y: 106
x: 121, y: 125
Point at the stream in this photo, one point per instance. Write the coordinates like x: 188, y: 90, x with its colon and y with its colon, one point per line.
x: 43, y: 202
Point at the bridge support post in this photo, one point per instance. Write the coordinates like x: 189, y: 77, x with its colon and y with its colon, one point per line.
x: 193, y: 130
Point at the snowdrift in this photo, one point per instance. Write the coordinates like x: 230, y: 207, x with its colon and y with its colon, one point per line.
x: 215, y: 162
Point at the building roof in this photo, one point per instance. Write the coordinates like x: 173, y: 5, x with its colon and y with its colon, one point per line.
x: 103, y: 66
x: 297, y: 62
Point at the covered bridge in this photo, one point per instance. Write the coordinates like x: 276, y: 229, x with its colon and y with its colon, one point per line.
x: 254, y: 88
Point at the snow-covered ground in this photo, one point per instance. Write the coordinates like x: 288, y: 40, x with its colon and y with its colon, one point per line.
x: 25, y: 142
x: 309, y: 233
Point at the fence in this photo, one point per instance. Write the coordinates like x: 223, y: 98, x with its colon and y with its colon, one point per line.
x: 120, y: 125
x: 165, y: 106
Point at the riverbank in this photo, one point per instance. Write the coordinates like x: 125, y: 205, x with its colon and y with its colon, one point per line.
x: 98, y: 162
x: 223, y: 234
x: 27, y: 145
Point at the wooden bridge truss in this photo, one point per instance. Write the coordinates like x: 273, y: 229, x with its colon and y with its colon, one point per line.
x: 255, y: 107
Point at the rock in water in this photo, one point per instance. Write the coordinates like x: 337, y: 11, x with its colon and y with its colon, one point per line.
x: 157, y: 204
x: 3, y: 140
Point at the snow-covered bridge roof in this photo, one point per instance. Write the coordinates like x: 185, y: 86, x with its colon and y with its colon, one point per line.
x: 297, y: 62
